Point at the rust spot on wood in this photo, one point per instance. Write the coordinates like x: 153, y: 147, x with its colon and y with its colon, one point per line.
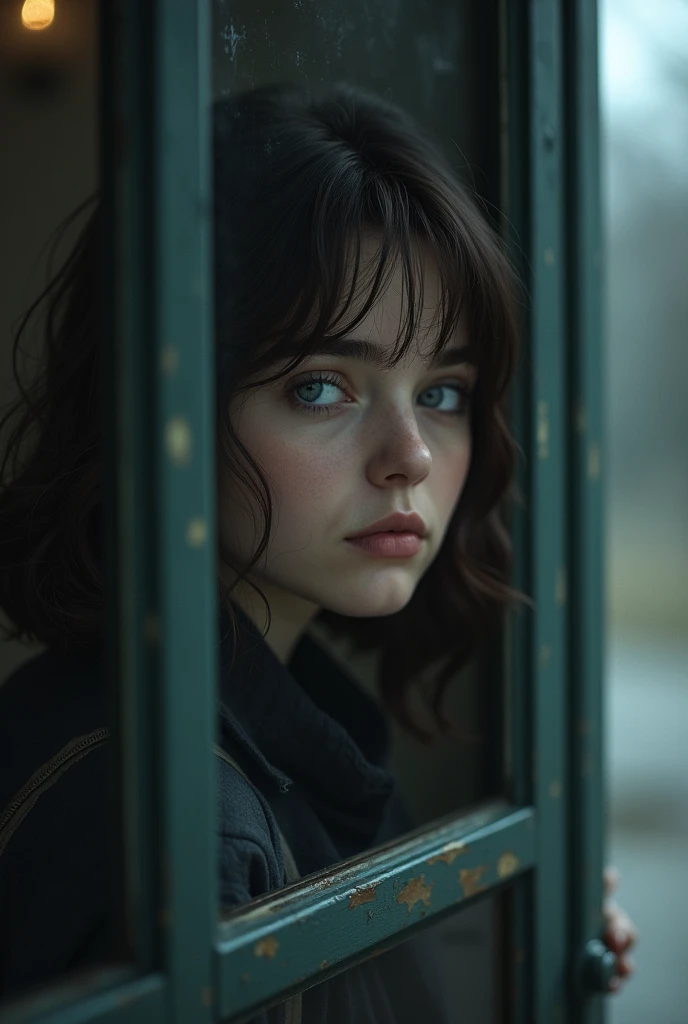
x: 206, y: 996
x: 169, y: 359
x: 361, y: 896
x: 323, y: 964
x: 507, y: 864
x: 196, y: 532
x: 470, y: 879
x: 244, y: 979
x: 543, y: 430
x: 449, y: 853
x: 416, y: 891
x: 266, y: 947
x: 178, y: 440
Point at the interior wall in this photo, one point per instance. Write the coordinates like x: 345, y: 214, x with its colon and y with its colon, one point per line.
x: 48, y: 107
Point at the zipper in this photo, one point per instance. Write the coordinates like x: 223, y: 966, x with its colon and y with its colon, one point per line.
x: 43, y: 778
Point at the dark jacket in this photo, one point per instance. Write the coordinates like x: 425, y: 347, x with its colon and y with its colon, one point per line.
x: 313, y: 748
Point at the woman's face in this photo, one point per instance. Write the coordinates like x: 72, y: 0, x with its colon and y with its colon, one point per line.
x: 344, y: 452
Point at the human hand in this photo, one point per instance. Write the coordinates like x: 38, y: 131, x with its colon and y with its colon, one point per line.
x: 620, y: 934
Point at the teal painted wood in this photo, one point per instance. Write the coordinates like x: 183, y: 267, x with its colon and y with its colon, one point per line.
x: 139, y: 1001
x: 183, y: 528
x: 588, y: 779
x: 334, y: 920
x: 518, y: 669
x: 165, y: 493
x: 126, y: 171
x: 549, y: 513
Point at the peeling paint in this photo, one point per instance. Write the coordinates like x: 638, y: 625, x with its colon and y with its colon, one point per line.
x: 507, y: 864
x: 169, y: 359
x: 178, y: 440
x: 360, y: 896
x: 323, y: 964
x: 470, y: 879
x: 266, y: 947
x: 449, y: 853
x: 196, y: 532
x: 543, y: 430
x: 416, y: 891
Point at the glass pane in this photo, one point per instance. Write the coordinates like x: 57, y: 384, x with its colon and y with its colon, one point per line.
x: 344, y: 133
x: 449, y: 973
x: 58, y: 871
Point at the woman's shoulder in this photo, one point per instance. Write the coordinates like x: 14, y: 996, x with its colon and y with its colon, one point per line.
x: 250, y: 857
x: 58, y: 829
x: 54, y: 820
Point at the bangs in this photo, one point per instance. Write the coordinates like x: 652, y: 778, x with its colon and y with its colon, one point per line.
x: 341, y: 287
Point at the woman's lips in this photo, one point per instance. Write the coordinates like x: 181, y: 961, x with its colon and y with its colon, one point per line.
x: 388, y: 545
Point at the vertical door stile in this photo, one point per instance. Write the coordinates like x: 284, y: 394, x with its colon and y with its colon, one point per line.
x: 162, y: 617
x: 549, y: 513
x: 518, y: 671
x: 185, y: 529
x: 586, y: 497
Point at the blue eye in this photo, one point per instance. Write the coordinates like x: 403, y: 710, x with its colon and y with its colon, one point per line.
x: 313, y: 388
x: 460, y: 393
x: 314, y: 385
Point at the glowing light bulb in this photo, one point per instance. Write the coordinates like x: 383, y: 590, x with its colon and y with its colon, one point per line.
x: 38, y: 14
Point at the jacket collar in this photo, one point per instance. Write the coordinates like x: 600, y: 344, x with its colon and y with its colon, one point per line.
x: 307, y: 722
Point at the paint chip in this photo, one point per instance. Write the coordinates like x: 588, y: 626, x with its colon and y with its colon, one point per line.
x: 416, y: 891
x: 196, y: 533
x: 266, y: 947
x: 449, y: 853
x: 507, y: 864
x: 169, y: 360
x: 361, y: 896
x: 470, y: 879
x: 178, y: 440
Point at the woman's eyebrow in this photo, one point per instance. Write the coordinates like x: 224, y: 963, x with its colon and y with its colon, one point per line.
x: 369, y: 352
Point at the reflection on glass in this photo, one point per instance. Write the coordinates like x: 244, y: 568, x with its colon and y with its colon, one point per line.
x: 362, y: 451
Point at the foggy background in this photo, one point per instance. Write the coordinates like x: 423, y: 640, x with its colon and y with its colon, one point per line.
x: 644, y: 111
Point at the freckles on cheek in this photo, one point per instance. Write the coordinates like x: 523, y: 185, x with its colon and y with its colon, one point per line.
x: 298, y: 472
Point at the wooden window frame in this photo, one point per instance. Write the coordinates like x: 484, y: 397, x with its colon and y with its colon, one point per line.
x: 545, y: 839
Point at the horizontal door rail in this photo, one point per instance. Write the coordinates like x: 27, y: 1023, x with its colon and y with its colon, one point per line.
x: 118, y: 998
x: 320, y: 926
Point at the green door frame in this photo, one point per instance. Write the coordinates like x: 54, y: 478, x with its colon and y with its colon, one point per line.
x: 545, y: 839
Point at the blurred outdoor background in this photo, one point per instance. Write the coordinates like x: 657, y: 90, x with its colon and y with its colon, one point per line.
x: 644, y: 107
x: 50, y: 167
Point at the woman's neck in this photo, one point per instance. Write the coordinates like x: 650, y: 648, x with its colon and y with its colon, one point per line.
x: 290, y: 616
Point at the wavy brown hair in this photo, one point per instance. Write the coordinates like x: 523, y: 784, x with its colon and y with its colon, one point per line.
x: 299, y: 178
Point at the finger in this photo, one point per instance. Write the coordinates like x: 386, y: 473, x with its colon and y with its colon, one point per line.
x: 612, y: 878
x: 625, y: 966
